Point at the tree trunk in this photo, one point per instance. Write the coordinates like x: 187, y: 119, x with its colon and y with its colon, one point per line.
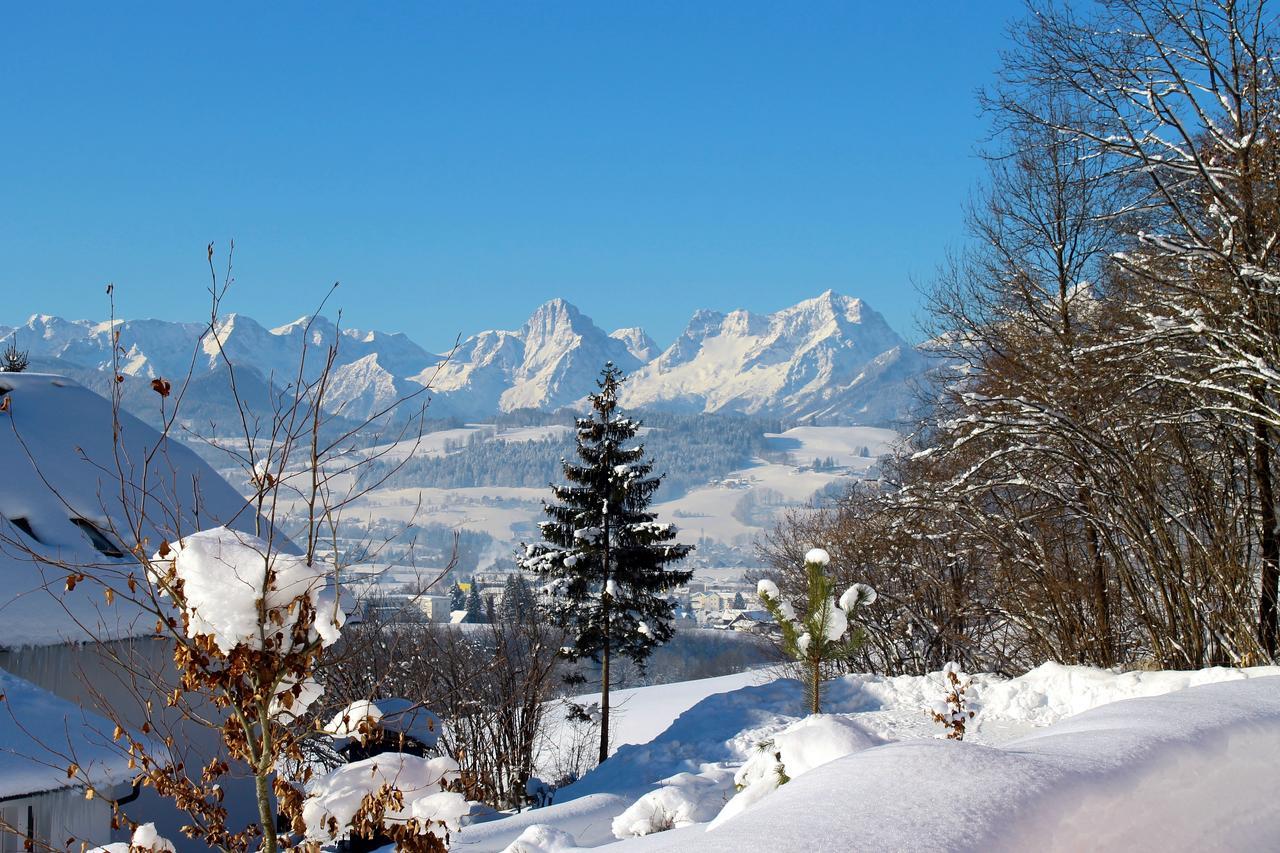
x: 815, y: 686
x: 1268, y: 541
x: 604, y: 703
x: 266, y: 814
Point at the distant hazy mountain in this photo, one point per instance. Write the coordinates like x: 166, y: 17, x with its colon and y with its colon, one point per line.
x: 831, y: 357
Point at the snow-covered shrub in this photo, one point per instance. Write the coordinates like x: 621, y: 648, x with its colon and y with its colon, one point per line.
x: 790, y: 753
x: 821, y: 638
x: 539, y: 793
x: 953, y: 710
x: 402, y: 796
x: 242, y: 592
x: 683, y: 799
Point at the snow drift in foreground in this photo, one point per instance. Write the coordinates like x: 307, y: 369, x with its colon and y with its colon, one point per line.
x: 682, y: 779
x: 1193, y: 770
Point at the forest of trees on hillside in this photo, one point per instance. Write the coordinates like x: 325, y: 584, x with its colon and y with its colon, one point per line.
x: 689, y: 449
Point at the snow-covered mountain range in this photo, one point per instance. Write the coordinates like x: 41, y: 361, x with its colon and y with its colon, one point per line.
x: 831, y: 358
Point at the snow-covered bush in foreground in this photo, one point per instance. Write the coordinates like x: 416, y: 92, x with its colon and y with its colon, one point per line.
x: 818, y: 639
x: 792, y: 752
x: 955, y: 709
x: 683, y: 799
x: 401, y: 795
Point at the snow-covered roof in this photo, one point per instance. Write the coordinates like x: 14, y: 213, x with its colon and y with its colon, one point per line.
x: 41, y: 735
x: 61, y: 498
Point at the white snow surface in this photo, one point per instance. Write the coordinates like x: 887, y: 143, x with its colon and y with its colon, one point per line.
x: 41, y: 734
x: 886, y: 781
x: 1192, y: 770
x: 59, y: 463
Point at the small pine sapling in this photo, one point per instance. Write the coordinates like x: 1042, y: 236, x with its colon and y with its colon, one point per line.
x: 953, y: 711
x: 821, y: 639
x: 14, y: 360
x: 765, y: 764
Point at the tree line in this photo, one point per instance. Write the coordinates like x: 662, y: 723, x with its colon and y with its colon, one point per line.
x: 1092, y: 476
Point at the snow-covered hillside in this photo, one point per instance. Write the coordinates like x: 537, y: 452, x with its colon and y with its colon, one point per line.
x: 832, y: 358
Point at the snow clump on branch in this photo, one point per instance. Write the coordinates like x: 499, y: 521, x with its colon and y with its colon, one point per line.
x: 222, y: 576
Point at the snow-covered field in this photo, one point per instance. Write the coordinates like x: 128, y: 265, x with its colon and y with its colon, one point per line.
x: 1062, y: 758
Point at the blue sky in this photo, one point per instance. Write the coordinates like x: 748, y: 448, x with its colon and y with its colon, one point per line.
x: 454, y: 165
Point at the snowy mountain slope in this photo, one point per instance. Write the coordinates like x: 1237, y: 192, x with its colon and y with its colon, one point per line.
x: 830, y: 358
x: 638, y: 343
x: 551, y: 361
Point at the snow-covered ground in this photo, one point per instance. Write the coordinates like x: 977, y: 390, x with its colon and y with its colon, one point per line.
x: 1060, y: 758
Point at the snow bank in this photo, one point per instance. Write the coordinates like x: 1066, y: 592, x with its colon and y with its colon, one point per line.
x: 1052, y: 691
x: 1191, y: 770
x: 792, y: 752
x: 542, y: 838
x: 719, y: 731
x: 41, y: 735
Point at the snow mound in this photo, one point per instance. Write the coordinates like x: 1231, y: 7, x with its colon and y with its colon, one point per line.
x: 817, y: 555
x: 146, y: 839
x: 394, y: 716
x: 792, y: 752
x: 683, y: 799
x: 542, y: 838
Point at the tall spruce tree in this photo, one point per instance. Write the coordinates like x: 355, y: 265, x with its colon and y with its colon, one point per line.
x: 604, y: 557
x: 518, y: 602
x: 475, y: 607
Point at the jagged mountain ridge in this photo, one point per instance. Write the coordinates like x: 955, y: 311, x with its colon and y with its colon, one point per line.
x: 831, y: 357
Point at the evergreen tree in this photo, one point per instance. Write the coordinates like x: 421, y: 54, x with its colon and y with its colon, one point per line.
x: 14, y: 360
x: 739, y: 603
x: 604, y: 556
x: 457, y: 598
x: 821, y: 639
x: 475, y: 607
x: 518, y: 602
x: 489, y: 616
